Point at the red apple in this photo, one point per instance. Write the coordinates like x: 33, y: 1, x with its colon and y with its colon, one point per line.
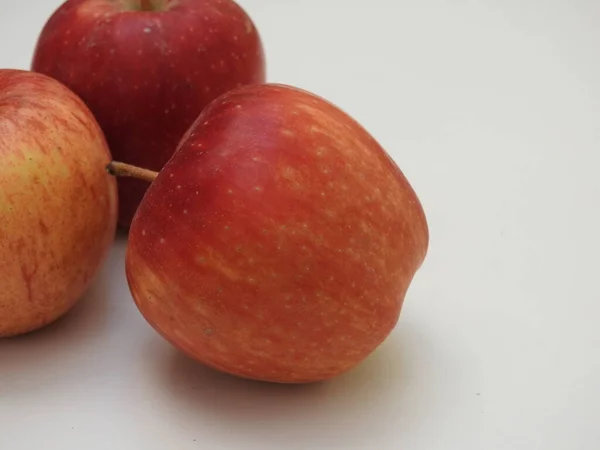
x: 147, y: 68
x: 279, y: 241
x: 58, y: 207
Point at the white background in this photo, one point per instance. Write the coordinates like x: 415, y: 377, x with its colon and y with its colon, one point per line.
x: 492, y: 109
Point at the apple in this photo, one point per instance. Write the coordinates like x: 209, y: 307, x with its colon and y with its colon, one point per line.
x: 147, y: 68
x: 58, y: 207
x: 279, y: 241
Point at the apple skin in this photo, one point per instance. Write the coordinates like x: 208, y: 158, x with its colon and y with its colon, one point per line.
x: 279, y: 241
x: 147, y: 75
x: 58, y: 206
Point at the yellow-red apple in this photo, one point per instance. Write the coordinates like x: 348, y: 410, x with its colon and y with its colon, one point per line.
x: 58, y: 207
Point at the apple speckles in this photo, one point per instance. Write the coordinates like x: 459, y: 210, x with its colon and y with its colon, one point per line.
x: 257, y: 189
x: 162, y: 240
x: 185, y: 211
x: 287, y: 132
x: 147, y: 30
x: 229, y: 191
x: 143, y: 232
x: 209, y: 331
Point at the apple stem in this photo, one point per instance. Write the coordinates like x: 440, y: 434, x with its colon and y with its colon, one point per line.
x: 119, y: 169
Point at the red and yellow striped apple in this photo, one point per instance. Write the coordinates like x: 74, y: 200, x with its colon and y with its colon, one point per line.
x: 279, y: 241
x: 58, y: 207
x: 147, y: 68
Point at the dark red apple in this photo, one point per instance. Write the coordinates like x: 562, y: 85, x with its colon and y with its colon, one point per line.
x: 279, y: 241
x: 147, y: 68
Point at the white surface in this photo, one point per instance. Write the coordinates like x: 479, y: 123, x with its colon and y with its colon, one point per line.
x: 492, y: 110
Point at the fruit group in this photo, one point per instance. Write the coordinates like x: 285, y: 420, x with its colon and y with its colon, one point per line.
x: 147, y: 68
x: 58, y: 207
x: 279, y: 241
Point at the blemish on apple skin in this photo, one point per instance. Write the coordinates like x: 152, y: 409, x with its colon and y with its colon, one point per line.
x: 249, y: 27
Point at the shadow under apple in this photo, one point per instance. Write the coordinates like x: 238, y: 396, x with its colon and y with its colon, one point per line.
x: 344, y: 407
x: 31, y: 361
